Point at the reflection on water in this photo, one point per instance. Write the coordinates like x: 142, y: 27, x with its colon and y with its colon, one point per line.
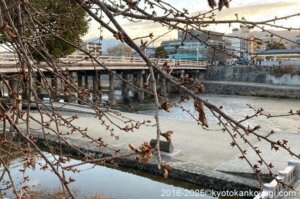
x: 236, y: 106
x: 96, y: 180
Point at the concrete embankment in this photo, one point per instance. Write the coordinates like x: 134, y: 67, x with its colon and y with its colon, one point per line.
x: 206, y: 158
x: 261, y: 74
x: 252, y: 89
x: 252, y: 81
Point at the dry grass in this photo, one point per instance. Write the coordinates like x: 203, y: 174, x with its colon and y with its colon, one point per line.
x: 282, y: 70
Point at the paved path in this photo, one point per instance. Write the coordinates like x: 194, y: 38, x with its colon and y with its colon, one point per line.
x: 206, y: 149
x: 210, y: 148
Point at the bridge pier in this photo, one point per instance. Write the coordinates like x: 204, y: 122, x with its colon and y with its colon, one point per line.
x: 182, y: 74
x: 79, y: 80
x: 125, y: 90
x: 112, y: 97
x: 54, y: 89
x: 96, y: 87
x: 163, y: 88
x: 72, y: 95
x: 80, y: 86
x: 39, y: 88
x: 86, y: 80
x: 13, y: 84
x: 140, y: 85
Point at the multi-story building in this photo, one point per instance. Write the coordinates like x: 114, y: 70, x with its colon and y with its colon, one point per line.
x: 198, y: 45
x: 242, y: 43
x: 94, y: 48
x: 255, y: 44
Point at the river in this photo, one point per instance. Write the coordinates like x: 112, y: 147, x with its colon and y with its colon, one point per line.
x: 105, y: 181
x: 236, y: 107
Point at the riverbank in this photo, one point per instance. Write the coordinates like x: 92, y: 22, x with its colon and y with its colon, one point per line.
x: 263, y: 81
x: 205, y: 158
x: 252, y: 89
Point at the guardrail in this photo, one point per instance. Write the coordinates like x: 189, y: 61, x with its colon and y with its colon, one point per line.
x: 288, y: 176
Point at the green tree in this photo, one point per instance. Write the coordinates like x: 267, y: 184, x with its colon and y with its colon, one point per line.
x: 65, y: 18
x: 160, y: 52
x: 276, y: 45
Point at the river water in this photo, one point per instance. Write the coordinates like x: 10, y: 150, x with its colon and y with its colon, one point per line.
x: 236, y: 107
x: 105, y: 181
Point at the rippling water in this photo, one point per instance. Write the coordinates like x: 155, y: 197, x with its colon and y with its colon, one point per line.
x: 236, y: 107
x: 105, y: 181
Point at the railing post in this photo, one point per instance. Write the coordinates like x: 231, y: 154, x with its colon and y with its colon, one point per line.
x: 295, y: 163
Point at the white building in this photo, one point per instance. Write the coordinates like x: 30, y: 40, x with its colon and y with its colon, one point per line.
x: 94, y: 48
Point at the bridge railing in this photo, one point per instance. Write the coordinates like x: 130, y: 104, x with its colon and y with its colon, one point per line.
x: 288, y: 176
x: 133, y: 60
x: 8, y: 57
x: 13, y: 59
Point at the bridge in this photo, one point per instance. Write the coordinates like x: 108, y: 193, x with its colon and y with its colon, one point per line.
x: 8, y: 63
x: 132, y: 69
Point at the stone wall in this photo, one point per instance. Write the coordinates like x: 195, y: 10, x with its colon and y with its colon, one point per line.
x: 252, y: 89
x: 284, y: 79
x: 261, y: 74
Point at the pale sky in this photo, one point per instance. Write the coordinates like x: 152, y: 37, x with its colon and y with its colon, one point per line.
x: 252, y: 10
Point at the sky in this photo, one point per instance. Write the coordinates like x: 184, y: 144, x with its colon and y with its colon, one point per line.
x: 252, y: 10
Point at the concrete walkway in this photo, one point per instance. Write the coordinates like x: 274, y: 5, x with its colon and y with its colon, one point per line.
x: 201, y: 149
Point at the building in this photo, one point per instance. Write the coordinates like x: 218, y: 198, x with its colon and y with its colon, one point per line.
x: 255, y: 44
x: 277, y: 57
x: 94, y: 48
x: 283, y: 36
x: 197, y: 46
x: 241, y: 44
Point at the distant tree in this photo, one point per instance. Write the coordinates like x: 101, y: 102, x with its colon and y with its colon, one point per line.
x: 120, y: 50
x: 276, y: 45
x: 160, y: 52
